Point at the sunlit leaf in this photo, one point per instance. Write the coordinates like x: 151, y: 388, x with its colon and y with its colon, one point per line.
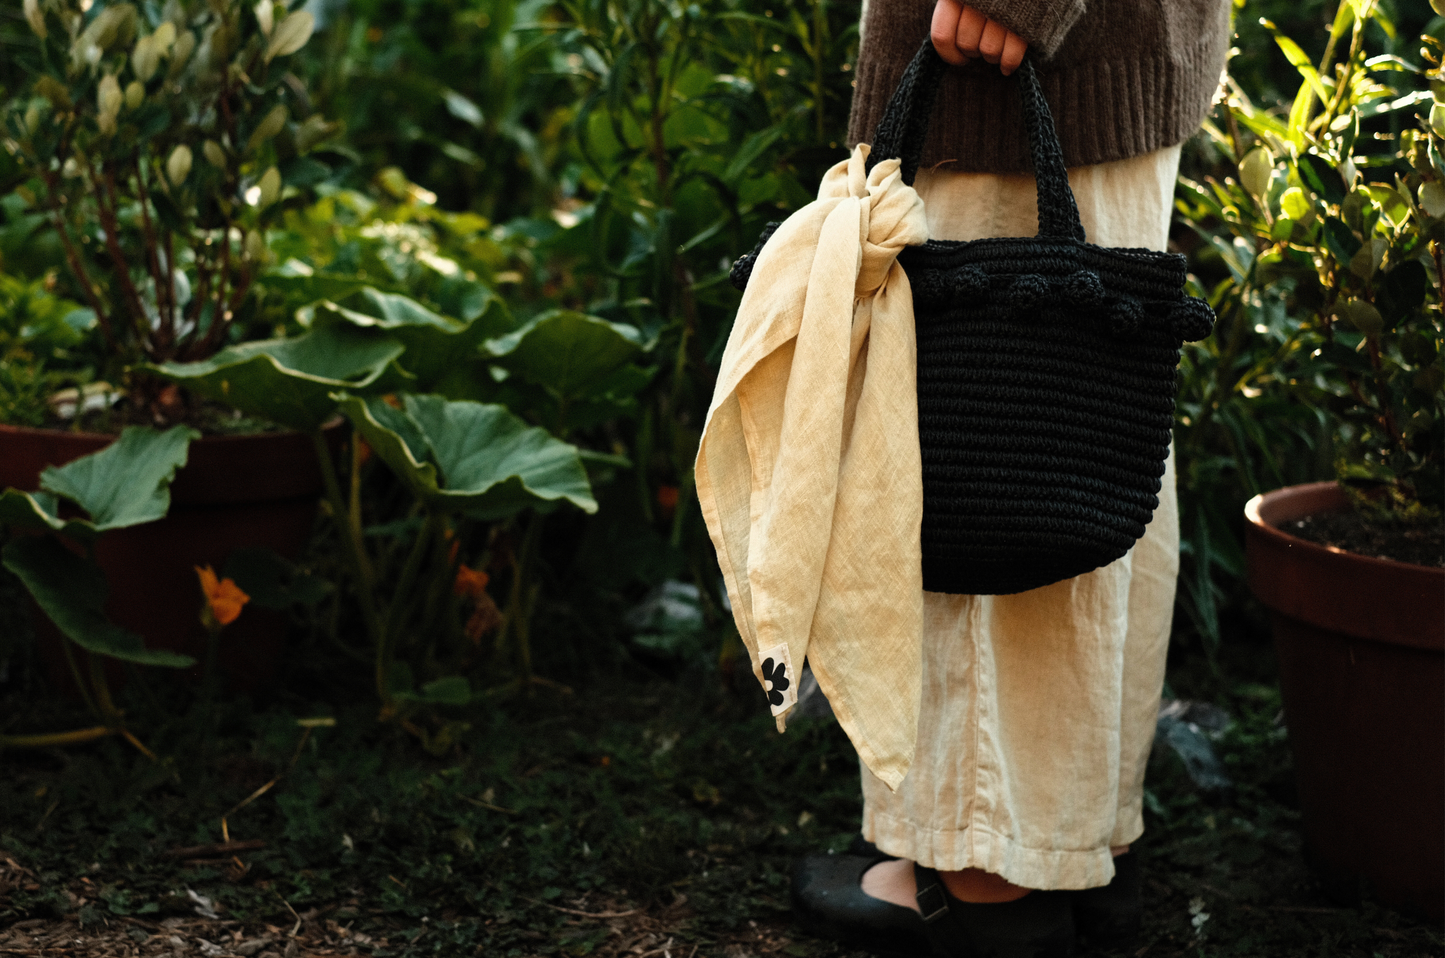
x: 464, y: 455
x: 433, y: 343
x: 290, y: 381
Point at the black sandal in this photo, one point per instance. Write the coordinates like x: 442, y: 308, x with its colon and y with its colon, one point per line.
x: 1038, y: 925
x: 1109, y: 916
x: 1106, y: 917
x: 829, y: 902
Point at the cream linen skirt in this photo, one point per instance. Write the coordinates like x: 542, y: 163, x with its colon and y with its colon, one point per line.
x: 1038, y: 709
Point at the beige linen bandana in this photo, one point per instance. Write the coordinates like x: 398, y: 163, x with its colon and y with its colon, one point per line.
x: 809, y: 473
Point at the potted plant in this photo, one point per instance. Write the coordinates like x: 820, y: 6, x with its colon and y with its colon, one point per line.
x: 157, y: 145
x: 1341, y: 222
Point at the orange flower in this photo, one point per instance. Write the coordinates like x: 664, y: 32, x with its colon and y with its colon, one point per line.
x: 470, y: 582
x: 667, y: 498
x: 223, y: 598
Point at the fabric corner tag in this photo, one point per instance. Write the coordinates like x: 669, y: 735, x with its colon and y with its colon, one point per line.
x: 779, y: 679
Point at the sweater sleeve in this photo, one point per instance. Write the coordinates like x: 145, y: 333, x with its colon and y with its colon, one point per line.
x: 1043, y: 23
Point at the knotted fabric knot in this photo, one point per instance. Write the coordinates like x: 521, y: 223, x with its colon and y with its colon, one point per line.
x: 809, y: 473
x: 889, y: 214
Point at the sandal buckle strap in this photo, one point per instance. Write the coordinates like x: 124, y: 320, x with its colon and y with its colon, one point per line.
x: 932, y: 901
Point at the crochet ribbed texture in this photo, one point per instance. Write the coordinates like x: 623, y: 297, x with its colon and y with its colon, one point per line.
x: 1046, y: 374
x: 1125, y: 78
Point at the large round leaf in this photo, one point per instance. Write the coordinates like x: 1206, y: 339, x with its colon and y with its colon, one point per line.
x: 568, y: 353
x: 72, y: 592
x: 125, y: 484
x: 465, y: 456
x: 433, y: 342
x: 290, y: 381
x: 129, y: 481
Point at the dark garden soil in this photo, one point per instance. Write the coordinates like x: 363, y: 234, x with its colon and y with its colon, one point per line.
x: 209, y: 418
x: 642, y: 816
x: 1350, y: 531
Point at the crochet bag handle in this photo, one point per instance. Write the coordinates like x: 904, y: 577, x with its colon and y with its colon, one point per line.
x: 904, y: 128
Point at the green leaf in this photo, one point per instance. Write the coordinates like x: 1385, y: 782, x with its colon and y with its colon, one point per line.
x: 1432, y: 199
x: 449, y: 690
x: 1300, y: 60
x: 753, y: 147
x: 1255, y: 171
x: 567, y: 352
x: 39, y: 511
x: 300, y: 284
x: 129, y: 481
x: 433, y: 342
x: 1322, y: 177
x: 1362, y: 315
x: 1299, y: 116
x: 369, y: 307
x: 1340, y: 240
x: 1295, y: 204
x: 466, y: 455
x: 1369, y: 257
x: 72, y: 591
x: 1403, y: 288
x: 1390, y: 202
x: 290, y: 381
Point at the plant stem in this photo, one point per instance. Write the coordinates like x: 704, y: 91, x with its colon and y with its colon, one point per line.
x: 52, y: 739
x: 80, y: 682
x: 102, y: 690
x: 396, y: 613
x: 165, y: 293
x: 72, y: 257
x: 104, y: 187
x: 523, y: 594
x: 352, y: 544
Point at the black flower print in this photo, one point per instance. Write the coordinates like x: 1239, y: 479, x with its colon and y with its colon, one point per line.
x: 776, y: 675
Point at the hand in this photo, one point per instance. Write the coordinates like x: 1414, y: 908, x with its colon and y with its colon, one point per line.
x: 961, y: 33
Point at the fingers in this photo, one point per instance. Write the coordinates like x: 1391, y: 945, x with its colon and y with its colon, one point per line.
x: 960, y: 33
x: 1014, y: 48
x: 945, y: 29
x: 971, y: 27
x: 990, y: 44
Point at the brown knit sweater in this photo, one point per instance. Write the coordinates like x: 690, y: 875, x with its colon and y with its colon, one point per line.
x: 1123, y: 77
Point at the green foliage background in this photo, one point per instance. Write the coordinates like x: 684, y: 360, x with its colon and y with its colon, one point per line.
x: 534, y: 204
x: 535, y: 173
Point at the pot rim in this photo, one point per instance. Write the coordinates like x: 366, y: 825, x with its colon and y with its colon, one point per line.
x: 1256, y: 507
x: 107, y: 438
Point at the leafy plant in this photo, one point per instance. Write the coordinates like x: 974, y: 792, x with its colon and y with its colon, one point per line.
x: 39, y: 333
x: 371, y: 357
x: 459, y: 95
x: 161, y: 144
x: 125, y: 484
x: 1322, y: 231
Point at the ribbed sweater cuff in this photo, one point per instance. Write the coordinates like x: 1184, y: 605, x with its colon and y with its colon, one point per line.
x: 1043, y: 23
x: 1104, y: 110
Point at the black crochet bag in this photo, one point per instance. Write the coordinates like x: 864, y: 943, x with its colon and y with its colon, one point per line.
x: 1046, y: 374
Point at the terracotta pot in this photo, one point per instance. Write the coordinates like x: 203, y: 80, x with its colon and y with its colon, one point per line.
x: 1361, y: 645
x: 234, y: 492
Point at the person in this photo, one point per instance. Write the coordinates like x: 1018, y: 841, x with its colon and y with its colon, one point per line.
x: 1014, y: 824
